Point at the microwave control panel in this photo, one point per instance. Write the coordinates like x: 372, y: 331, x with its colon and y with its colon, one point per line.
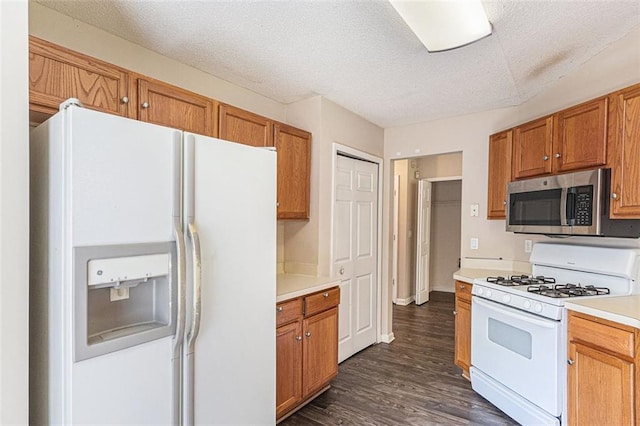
x: 583, y: 205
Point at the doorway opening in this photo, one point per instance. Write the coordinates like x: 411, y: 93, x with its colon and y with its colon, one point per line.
x: 426, y: 234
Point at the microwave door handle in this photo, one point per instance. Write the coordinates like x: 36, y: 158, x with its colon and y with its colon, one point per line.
x: 571, y: 206
x: 563, y: 208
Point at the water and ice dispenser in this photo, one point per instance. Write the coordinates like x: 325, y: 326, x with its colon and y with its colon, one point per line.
x: 124, y: 296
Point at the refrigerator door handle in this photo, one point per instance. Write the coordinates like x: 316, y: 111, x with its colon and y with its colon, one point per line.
x: 197, y: 287
x: 178, y: 338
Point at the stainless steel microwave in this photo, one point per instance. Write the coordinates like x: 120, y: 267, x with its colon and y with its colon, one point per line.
x: 568, y: 204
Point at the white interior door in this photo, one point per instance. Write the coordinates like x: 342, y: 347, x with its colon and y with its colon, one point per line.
x: 423, y: 245
x: 394, y: 255
x: 355, y: 236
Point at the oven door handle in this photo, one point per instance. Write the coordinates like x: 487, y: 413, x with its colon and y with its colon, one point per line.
x: 528, y: 317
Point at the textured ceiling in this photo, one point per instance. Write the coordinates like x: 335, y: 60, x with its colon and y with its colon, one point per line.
x: 361, y: 55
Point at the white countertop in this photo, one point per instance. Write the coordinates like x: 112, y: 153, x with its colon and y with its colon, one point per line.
x: 467, y: 275
x: 289, y: 286
x: 620, y: 309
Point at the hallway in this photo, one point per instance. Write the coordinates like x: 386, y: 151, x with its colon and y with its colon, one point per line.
x: 411, y: 381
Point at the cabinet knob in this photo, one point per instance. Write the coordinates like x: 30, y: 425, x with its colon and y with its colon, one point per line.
x: 461, y: 286
x: 545, y: 158
x: 279, y: 308
x: 342, y: 270
x: 145, y: 105
x: 124, y: 99
x: 455, y: 312
x: 504, y: 202
x: 557, y: 155
x: 277, y: 204
x: 308, y: 334
x: 298, y: 338
x: 325, y: 295
x: 570, y: 361
x: 614, y: 195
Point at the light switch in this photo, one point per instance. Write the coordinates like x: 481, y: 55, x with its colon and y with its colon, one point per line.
x: 474, y: 244
x: 474, y: 210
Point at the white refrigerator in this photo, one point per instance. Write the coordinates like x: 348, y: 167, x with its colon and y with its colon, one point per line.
x: 152, y: 282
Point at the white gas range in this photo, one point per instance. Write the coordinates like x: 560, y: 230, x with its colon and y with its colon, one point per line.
x: 518, y: 338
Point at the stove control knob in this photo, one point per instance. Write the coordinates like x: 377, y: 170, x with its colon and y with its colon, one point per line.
x: 537, y: 307
x: 479, y: 290
x: 527, y: 304
x: 506, y: 298
x: 488, y: 293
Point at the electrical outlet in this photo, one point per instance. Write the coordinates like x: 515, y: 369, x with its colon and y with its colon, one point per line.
x: 474, y: 210
x: 474, y: 244
x: 527, y: 246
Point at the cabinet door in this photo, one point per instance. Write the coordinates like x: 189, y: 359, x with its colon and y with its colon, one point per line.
x: 244, y: 127
x: 500, y: 153
x: 463, y: 336
x: 288, y: 367
x: 581, y: 136
x: 57, y: 74
x: 294, y: 171
x: 624, y: 140
x: 171, y: 106
x: 532, y: 148
x: 600, y: 387
x: 320, y: 358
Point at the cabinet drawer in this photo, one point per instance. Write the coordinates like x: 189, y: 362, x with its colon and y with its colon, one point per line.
x: 321, y: 301
x: 288, y: 311
x: 595, y: 333
x: 463, y: 290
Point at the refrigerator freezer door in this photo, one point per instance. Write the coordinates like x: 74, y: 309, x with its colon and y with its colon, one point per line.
x: 231, y: 198
x: 121, y: 188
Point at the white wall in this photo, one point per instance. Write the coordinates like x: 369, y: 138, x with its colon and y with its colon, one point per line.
x: 406, y: 230
x: 616, y: 67
x: 308, y: 243
x: 14, y: 213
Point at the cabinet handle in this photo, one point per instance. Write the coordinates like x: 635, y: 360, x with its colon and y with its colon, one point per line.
x: 145, y: 105
x: 308, y: 334
x: 279, y: 308
x: 545, y: 158
x: 124, y: 99
x: 614, y: 195
x: 570, y: 361
x: 298, y: 338
x: 325, y: 295
x: 558, y: 155
x: 455, y: 312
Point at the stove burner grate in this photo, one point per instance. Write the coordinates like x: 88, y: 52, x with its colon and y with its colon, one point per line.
x: 515, y: 280
x: 568, y: 290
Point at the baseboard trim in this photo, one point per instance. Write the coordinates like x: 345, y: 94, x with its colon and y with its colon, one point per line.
x: 405, y: 302
x: 387, y: 338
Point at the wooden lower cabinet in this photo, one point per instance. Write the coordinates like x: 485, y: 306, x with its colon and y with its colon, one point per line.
x: 601, y: 372
x: 462, y: 349
x: 306, y: 349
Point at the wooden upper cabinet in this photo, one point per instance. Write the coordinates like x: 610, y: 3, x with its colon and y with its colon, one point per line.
x: 624, y: 153
x: 581, y: 136
x: 500, y: 149
x: 170, y: 106
x: 244, y: 127
x: 532, y: 147
x: 294, y: 171
x: 57, y: 74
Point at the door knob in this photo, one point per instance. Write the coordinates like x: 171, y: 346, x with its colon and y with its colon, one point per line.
x: 342, y: 270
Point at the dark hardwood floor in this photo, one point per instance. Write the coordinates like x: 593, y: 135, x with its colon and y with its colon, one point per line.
x: 411, y: 381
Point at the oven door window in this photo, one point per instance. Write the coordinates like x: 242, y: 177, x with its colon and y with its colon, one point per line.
x: 520, y: 350
x: 542, y: 208
x: 509, y: 337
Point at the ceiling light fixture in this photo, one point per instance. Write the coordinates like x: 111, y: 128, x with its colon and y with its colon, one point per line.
x: 444, y: 24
